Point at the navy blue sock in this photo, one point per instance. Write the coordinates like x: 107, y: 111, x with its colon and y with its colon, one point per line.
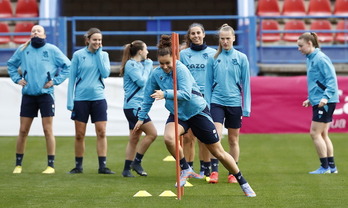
x: 127, y: 164
x: 50, y: 160
x: 206, y: 168
x: 138, y: 158
x: 183, y: 164
x: 214, y: 165
x: 241, y: 180
x: 190, y: 164
x: 78, y: 162
x: 324, y: 162
x: 19, y: 159
x: 201, y: 165
x: 102, y: 162
x: 331, y: 162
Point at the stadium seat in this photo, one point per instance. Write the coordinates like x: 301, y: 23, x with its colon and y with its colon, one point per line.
x: 268, y: 37
x: 323, y: 37
x: 27, y: 8
x: 341, y: 7
x: 293, y: 25
x: 5, y: 9
x: 22, y: 27
x: 267, y: 8
x: 294, y: 8
x: 342, y: 37
x: 4, y: 29
x: 319, y: 8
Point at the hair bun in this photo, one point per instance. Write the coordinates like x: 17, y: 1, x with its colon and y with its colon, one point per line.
x: 165, y: 41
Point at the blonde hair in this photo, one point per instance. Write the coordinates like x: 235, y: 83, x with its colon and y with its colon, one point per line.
x: 224, y: 27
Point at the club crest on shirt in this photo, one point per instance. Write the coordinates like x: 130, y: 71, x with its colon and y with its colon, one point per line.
x: 45, y: 54
x: 205, y: 55
x: 234, y: 61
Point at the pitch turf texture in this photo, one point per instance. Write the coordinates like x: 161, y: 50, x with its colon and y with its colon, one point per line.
x: 276, y: 166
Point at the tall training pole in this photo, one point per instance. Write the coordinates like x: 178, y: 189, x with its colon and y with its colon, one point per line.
x: 175, y: 55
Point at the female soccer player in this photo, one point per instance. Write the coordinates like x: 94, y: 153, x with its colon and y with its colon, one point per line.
x: 193, y: 113
x: 323, y: 96
x: 135, y: 69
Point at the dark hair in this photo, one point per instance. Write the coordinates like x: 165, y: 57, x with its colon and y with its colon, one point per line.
x: 310, y: 37
x: 130, y: 50
x: 224, y: 27
x: 187, y: 36
x: 164, y: 46
x: 89, y: 33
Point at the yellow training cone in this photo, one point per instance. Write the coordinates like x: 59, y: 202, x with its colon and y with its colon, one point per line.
x: 188, y: 184
x: 142, y: 193
x: 167, y: 193
x: 169, y: 158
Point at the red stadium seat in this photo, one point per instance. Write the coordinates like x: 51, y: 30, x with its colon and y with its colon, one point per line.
x: 293, y: 25
x: 5, y: 9
x: 27, y: 8
x: 322, y: 25
x: 4, y: 29
x: 269, y: 25
x: 294, y: 8
x: 342, y: 37
x: 341, y: 7
x: 267, y: 8
x: 319, y: 8
x: 22, y: 27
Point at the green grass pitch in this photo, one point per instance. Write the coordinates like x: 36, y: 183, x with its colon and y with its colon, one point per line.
x: 275, y: 165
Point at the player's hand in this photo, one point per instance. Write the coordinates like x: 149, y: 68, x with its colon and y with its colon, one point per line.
x: 22, y: 82
x: 137, y: 126
x: 158, y: 95
x: 48, y: 84
x: 323, y: 102
x: 305, y: 103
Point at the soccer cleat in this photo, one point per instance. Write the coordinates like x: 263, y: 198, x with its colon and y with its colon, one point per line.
x: 248, y: 191
x: 49, y: 170
x: 105, y: 171
x: 333, y: 170
x: 137, y: 168
x: 187, y: 173
x: 321, y: 170
x: 76, y: 171
x: 18, y: 169
x: 231, y: 179
x: 127, y: 173
x: 214, y: 177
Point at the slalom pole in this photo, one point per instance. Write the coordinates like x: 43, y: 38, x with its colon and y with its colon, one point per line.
x: 175, y: 55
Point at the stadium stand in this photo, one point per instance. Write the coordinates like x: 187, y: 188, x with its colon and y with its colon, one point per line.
x: 268, y: 8
x: 341, y: 8
x: 269, y: 25
x: 294, y: 8
x: 4, y: 29
x: 342, y: 37
x: 293, y: 25
x: 27, y: 8
x: 321, y: 24
x: 22, y: 27
x: 5, y: 9
x: 319, y: 8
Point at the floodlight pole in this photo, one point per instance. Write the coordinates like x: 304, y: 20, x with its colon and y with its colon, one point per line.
x: 175, y: 56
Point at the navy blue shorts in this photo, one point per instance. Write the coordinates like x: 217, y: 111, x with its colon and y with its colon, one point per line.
x: 202, y: 127
x: 323, y: 114
x: 231, y: 115
x: 97, y: 109
x: 132, y: 117
x: 32, y: 104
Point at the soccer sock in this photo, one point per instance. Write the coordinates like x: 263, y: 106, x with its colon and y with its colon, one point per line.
x: 190, y: 164
x: 138, y: 158
x: 183, y: 164
x: 19, y: 159
x: 241, y: 180
x: 102, y: 162
x: 206, y: 166
x: 201, y: 165
x: 324, y: 162
x: 50, y: 160
x: 331, y: 162
x: 78, y: 162
x: 214, y: 165
x: 127, y: 164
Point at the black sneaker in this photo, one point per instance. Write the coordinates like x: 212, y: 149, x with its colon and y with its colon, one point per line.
x: 137, y: 168
x: 127, y: 173
x: 105, y: 171
x: 76, y: 171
